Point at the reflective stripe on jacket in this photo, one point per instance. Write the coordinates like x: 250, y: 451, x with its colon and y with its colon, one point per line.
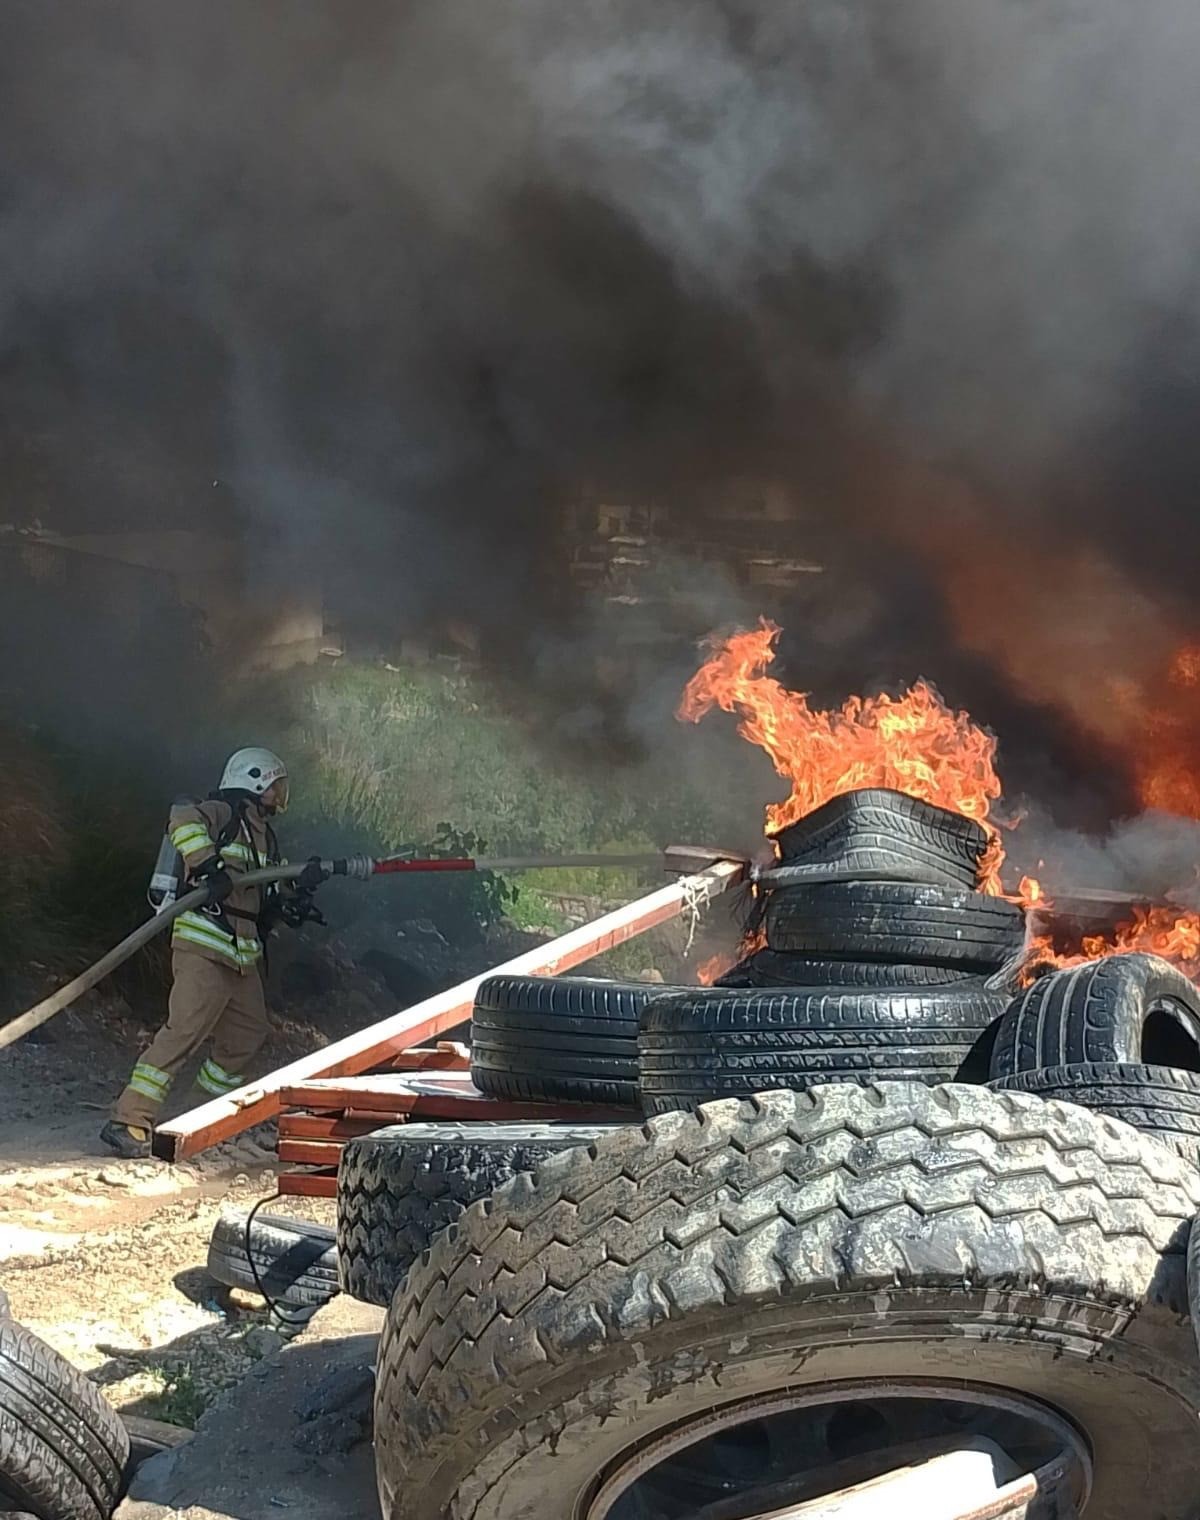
x: 194, y: 828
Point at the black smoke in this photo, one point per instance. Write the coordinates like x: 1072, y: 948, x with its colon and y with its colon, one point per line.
x: 382, y: 286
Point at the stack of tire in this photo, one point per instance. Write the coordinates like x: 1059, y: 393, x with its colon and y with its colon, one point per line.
x: 882, y: 960
x: 603, y: 1318
x: 1120, y: 1036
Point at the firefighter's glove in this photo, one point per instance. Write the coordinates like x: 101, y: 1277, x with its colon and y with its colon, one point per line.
x: 213, y: 875
x: 311, y: 878
x: 299, y: 910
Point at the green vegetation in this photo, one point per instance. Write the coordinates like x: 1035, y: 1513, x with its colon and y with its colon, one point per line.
x: 182, y: 1400
x: 380, y: 758
x: 388, y: 754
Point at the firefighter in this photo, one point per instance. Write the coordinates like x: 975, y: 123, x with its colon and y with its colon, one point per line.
x: 217, y: 950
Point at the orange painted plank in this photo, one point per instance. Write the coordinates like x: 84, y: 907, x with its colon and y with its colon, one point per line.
x: 308, y: 1184
x: 329, y: 1126
x: 309, y: 1152
x: 261, y: 1100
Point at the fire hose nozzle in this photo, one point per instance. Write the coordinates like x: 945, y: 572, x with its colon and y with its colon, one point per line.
x: 356, y: 867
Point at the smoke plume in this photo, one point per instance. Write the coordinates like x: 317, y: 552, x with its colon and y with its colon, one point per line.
x: 384, y: 286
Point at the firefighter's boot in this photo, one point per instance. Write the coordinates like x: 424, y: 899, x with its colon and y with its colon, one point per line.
x: 129, y: 1141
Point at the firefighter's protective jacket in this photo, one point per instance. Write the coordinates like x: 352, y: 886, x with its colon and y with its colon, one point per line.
x: 228, y: 933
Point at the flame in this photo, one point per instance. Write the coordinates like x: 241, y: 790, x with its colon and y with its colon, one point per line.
x: 1171, y: 933
x: 716, y: 965
x: 913, y: 743
x: 1031, y: 895
x: 1185, y: 668
x: 916, y: 744
x: 1167, y: 754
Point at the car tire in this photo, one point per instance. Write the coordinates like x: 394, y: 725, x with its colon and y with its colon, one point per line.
x: 63, y: 1449
x: 291, y: 1261
x: 1159, y: 1100
x: 895, y: 922
x: 700, y: 1046
x: 400, y: 1187
x: 558, y: 1039
x: 1124, y: 1009
x: 875, y: 829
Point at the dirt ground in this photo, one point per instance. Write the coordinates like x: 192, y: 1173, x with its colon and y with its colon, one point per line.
x: 105, y: 1258
x: 293, y: 1440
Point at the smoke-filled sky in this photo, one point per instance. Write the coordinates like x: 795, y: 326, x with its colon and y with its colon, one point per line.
x: 386, y: 283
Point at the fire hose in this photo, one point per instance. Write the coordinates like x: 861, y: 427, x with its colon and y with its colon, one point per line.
x: 355, y: 867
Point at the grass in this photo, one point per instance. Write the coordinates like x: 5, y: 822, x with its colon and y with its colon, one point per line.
x: 379, y: 757
x: 388, y: 755
x: 182, y: 1401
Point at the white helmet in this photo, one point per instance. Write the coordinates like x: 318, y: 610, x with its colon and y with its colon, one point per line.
x: 256, y: 771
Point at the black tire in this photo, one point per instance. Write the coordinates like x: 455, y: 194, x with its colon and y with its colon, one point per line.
x: 878, y: 830
x: 1159, y: 1100
x: 63, y: 1448
x: 150, y: 1438
x: 768, y: 968
x: 1128, y: 1009
x: 1193, y: 1279
x: 558, y: 1039
x: 294, y: 1262
x: 896, y: 922
x: 696, y: 1047
x: 400, y: 1187
x: 845, y: 1235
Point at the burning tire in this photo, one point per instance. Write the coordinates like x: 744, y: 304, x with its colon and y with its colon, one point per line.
x: 399, y: 1188
x: 1158, y: 1100
x: 1125, y: 1009
x: 878, y: 830
x: 558, y: 1039
x: 699, y: 1046
x: 895, y: 922
x: 704, y: 1307
x: 63, y: 1448
x: 768, y: 968
x: 291, y: 1260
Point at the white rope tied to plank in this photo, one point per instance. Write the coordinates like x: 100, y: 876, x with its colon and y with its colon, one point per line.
x: 696, y: 893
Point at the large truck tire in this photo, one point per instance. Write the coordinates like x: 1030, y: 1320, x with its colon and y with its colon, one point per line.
x: 1159, y: 1100
x: 1128, y: 1009
x: 63, y: 1448
x: 768, y: 968
x: 895, y: 921
x: 788, y: 1249
x: 292, y: 1261
x: 557, y: 1039
x: 879, y: 830
x: 699, y: 1046
x: 400, y: 1187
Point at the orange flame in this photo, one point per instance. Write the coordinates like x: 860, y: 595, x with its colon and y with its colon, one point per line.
x: 716, y: 965
x: 1171, y: 933
x: 916, y: 744
x: 1168, y: 750
x: 913, y: 743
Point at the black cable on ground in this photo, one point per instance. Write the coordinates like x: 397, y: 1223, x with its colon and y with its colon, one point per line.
x: 301, y: 1316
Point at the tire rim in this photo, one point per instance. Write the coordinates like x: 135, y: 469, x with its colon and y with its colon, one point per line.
x: 1047, y: 1447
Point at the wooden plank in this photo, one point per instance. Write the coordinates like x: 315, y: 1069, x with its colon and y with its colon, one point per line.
x: 308, y: 1184
x: 954, y: 1486
x: 383, y: 1092
x: 328, y: 1126
x: 437, y: 1095
x: 310, y: 1152
x: 261, y: 1100
x: 446, y: 1055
